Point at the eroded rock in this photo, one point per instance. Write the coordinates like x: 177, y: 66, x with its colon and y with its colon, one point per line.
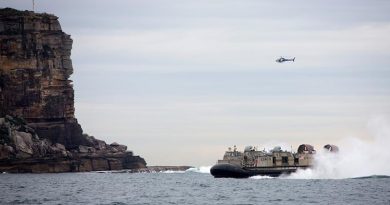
x: 38, y: 129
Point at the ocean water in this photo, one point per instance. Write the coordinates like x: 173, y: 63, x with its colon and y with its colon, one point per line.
x: 189, y: 187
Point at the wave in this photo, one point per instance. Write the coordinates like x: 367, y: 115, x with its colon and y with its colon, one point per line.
x: 201, y: 169
x: 262, y: 177
x: 373, y: 177
x: 111, y: 171
x: 173, y: 172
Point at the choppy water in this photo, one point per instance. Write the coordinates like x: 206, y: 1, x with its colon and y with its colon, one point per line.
x: 187, y: 188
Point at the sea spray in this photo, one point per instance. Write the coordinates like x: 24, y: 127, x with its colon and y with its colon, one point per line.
x: 356, y: 158
x: 173, y: 172
x: 201, y: 169
x: 262, y: 177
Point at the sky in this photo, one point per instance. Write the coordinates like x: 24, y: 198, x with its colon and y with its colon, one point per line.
x: 180, y: 81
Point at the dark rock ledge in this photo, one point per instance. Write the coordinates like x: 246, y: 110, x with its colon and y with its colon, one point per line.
x: 22, y: 151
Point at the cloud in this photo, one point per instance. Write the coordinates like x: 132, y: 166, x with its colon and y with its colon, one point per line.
x: 215, y: 123
x: 237, y: 49
x: 190, y: 77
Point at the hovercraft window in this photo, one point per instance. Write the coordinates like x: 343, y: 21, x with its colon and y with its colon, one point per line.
x: 285, y: 160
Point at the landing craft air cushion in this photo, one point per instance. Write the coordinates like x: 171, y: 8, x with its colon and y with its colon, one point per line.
x: 273, y: 163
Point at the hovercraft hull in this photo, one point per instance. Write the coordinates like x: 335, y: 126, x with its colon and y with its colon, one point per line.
x: 226, y: 170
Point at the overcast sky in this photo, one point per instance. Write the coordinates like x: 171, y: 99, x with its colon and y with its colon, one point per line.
x: 180, y: 81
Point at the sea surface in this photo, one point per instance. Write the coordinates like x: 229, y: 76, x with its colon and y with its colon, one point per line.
x: 187, y: 187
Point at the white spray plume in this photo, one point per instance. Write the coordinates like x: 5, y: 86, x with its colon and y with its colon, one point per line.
x: 202, y: 169
x: 261, y: 177
x: 356, y: 158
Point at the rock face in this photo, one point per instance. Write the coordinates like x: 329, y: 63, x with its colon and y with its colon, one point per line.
x: 38, y: 126
x: 34, y: 76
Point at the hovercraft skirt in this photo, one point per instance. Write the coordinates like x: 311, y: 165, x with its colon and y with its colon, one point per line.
x: 228, y: 171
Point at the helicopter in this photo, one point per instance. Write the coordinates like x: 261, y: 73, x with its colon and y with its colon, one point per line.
x: 281, y: 59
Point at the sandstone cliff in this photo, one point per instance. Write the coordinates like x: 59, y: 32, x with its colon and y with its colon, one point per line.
x: 38, y: 129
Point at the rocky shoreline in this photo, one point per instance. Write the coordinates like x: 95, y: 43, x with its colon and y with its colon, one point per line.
x: 38, y: 129
x: 149, y: 169
x: 152, y: 169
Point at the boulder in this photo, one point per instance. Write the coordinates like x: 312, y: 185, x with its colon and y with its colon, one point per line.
x: 59, y: 150
x: 114, y: 144
x: 118, y: 147
x: 100, y: 145
x: 93, y: 142
x: 6, y: 152
x: 59, y: 146
x: 83, y: 149
x: 41, y: 148
x: 23, y: 143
